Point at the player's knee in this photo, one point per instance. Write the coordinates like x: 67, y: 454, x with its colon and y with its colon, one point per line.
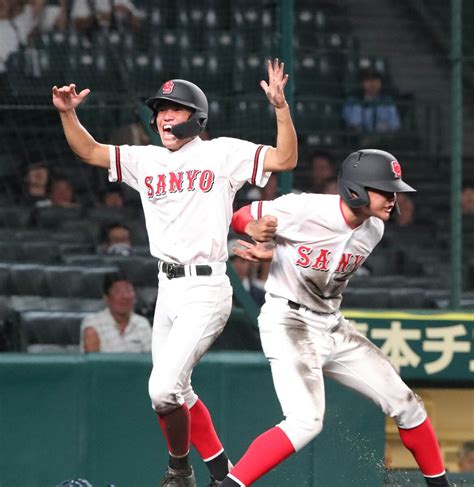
x: 301, y: 430
x: 409, y: 411
x: 164, y: 399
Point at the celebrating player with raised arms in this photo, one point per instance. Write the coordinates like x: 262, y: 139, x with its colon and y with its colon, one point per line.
x: 187, y: 188
x: 321, y: 241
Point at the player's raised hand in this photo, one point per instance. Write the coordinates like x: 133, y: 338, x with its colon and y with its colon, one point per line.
x: 66, y: 98
x: 255, y: 252
x: 277, y: 79
x: 263, y: 229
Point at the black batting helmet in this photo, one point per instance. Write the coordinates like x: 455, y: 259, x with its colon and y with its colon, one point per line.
x: 369, y: 168
x: 187, y: 94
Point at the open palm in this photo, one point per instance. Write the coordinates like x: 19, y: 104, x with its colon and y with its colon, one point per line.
x: 66, y: 98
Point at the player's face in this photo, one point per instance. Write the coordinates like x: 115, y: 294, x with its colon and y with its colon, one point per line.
x: 381, y: 204
x: 170, y: 114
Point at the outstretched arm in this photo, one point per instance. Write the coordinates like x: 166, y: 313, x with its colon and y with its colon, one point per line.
x: 65, y: 99
x: 285, y: 156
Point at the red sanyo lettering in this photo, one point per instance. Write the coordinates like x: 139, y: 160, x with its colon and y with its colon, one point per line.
x: 358, y: 261
x: 160, y: 185
x: 148, y: 181
x: 192, y: 175
x: 348, y: 263
x: 344, y: 262
x: 303, y: 252
x: 321, y: 262
x: 206, y: 181
x: 174, y: 182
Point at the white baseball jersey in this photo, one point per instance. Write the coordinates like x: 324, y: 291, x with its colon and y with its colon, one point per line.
x: 317, y: 252
x: 187, y: 194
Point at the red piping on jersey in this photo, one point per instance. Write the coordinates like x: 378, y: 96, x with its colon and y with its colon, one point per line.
x: 342, y: 213
x: 117, y: 164
x: 255, y: 163
x: 259, y: 209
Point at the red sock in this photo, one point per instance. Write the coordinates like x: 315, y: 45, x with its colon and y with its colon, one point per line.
x: 422, y: 443
x: 203, y: 435
x: 176, y: 428
x: 266, y: 451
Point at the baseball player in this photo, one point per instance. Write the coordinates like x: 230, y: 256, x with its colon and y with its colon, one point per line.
x: 321, y: 241
x: 187, y: 188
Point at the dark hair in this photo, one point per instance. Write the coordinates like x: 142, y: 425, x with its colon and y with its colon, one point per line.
x: 105, y: 229
x: 370, y: 73
x: 111, y: 278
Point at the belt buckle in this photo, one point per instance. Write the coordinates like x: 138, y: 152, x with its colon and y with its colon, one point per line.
x: 171, y: 271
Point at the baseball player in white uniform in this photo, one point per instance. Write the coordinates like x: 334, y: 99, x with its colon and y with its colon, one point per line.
x: 321, y: 240
x: 187, y: 188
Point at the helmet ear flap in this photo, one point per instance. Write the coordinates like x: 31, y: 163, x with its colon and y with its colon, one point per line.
x: 347, y: 189
x: 153, y: 122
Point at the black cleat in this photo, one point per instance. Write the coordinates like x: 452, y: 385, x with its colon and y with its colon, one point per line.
x: 174, y: 478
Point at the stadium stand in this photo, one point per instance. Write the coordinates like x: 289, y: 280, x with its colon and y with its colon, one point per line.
x: 52, y: 252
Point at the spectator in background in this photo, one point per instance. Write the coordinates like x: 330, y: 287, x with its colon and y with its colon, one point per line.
x: 246, y: 271
x: 322, y: 169
x: 36, y: 187
x: 330, y: 186
x: 113, y: 197
x: 18, y: 21
x: 54, y: 16
x: 117, y: 328
x: 466, y: 457
x: 86, y: 15
x: 371, y: 111
x: 115, y: 240
x: 467, y: 200
x: 62, y: 193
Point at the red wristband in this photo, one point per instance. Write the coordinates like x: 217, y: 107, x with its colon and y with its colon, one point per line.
x: 240, y: 219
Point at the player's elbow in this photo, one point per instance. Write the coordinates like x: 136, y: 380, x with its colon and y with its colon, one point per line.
x: 96, y: 155
x: 278, y: 160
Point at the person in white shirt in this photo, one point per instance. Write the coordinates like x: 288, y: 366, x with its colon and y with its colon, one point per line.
x: 187, y: 188
x: 321, y: 241
x: 117, y: 328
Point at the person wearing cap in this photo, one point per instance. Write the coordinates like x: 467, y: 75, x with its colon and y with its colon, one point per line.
x: 321, y: 241
x: 187, y: 188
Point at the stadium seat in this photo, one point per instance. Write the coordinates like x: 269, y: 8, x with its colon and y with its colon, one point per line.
x: 319, y: 74
x: 316, y: 113
x: 41, y: 303
x: 39, y: 330
x: 142, y: 271
x: 53, y: 217
x: 64, y: 281
x: 93, y: 280
x: 28, y: 279
x: 366, y: 298
x: 15, y: 216
x: 5, y: 283
x: 250, y: 112
x: 408, y: 298
x: 46, y: 252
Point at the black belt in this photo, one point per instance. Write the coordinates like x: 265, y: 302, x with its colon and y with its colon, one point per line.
x: 178, y: 270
